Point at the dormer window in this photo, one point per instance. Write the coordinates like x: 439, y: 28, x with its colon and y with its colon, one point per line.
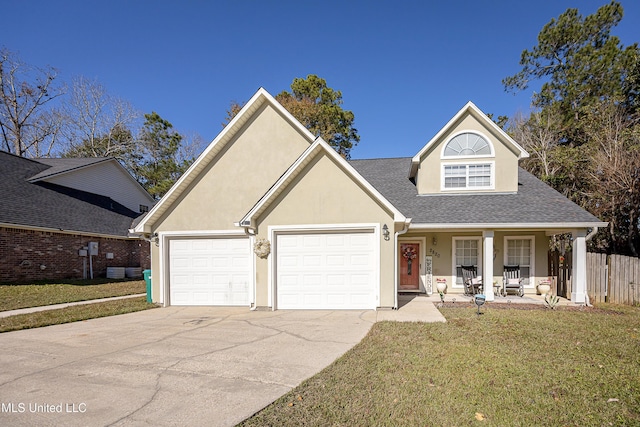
x: 472, y: 174
x: 467, y: 144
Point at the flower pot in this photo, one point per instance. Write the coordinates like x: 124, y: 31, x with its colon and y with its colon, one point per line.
x: 544, y: 288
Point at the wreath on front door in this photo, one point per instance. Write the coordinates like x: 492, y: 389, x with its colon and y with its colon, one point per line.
x: 409, y: 253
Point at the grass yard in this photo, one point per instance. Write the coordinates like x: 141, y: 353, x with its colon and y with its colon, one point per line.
x: 503, y: 368
x: 34, y: 295
x: 74, y: 314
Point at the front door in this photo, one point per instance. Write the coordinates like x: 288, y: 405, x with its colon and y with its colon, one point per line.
x: 409, y: 267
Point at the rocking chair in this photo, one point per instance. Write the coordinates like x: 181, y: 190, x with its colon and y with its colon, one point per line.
x: 511, y: 281
x: 472, y: 285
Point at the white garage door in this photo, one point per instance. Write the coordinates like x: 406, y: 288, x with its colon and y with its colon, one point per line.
x: 326, y: 271
x: 213, y: 271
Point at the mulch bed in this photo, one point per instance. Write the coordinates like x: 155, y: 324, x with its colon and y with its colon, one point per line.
x: 519, y: 306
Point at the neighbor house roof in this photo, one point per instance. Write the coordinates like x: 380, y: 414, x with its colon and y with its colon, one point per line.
x: 43, y: 205
x: 535, y: 205
x: 65, y: 165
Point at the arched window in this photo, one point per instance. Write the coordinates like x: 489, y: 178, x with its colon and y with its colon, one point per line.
x: 468, y: 173
x: 467, y: 144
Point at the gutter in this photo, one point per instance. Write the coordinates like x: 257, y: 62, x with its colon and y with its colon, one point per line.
x: 395, y: 261
x: 61, y: 231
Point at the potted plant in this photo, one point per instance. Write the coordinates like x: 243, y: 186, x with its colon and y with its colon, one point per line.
x: 544, y: 287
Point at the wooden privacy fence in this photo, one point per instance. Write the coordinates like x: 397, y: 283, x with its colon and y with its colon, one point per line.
x: 613, y: 278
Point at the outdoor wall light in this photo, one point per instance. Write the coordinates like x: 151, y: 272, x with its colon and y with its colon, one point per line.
x: 385, y: 232
x: 434, y: 241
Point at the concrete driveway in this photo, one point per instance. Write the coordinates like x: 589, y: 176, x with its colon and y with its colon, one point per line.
x: 167, y: 367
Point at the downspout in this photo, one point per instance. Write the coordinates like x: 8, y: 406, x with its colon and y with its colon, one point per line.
x: 588, y: 237
x: 593, y: 232
x: 251, y: 232
x: 395, y: 261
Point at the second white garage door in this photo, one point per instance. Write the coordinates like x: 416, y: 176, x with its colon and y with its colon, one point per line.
x: 209, y: 271
x: 326, y: 271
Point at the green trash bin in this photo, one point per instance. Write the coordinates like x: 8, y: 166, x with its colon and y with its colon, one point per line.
x: 147, y: 279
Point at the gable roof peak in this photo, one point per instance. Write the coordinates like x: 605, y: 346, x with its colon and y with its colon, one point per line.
x: 220, y: 141
x: 478, y: 114
x: 319, y: 146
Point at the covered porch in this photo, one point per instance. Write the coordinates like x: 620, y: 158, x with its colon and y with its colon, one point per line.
x: 428, y: 256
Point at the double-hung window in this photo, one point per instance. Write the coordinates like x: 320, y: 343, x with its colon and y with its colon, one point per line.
x: 468, y: 176
x: 520, y: 251
x: 466, y: 251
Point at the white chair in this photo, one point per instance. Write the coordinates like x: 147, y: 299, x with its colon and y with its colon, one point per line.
x: 511, y: 281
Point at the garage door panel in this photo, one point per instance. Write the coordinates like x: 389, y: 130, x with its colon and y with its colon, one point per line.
x: 325, y: 271
x: 360, y: 260
x: 311, y: 261
x: 336, y: 280
x: 200, y: 279
x: 361, y: 280
x: 179, y: 298
x: 337, y: 240
x: 180, y: 262
x: 200, y: 262
x: 311, y: 241
x: 337, y: 300
x: 239, y: 261
x: 359, y: 240
x: 209, y: 271
x: 286, y: 241
x: 312, y: 300
x: 336, y: 260
x: 288, y: 261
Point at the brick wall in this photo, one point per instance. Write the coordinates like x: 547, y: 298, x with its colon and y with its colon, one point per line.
x: 27, y: 255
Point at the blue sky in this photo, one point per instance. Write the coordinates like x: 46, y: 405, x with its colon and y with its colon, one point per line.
x: 404, y: 67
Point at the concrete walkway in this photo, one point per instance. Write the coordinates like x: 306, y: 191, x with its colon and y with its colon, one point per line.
x: 57, y: 306
x: 418, y: 308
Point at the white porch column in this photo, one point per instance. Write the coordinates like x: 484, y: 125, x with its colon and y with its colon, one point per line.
x: 487, y: 265
x: 579, y: 273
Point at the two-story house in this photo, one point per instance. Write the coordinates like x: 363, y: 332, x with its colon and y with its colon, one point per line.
x: 270, y: 216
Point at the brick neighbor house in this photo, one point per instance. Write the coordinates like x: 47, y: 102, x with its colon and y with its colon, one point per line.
x: 52, y: 209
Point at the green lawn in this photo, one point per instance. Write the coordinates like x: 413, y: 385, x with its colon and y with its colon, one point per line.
x: 34, y: 295
x: 503, y: 368
x: 74, y: 314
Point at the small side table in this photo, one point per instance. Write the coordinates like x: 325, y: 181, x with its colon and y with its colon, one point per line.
x: 497, y: 289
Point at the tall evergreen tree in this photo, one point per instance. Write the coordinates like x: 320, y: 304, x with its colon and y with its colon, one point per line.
x: 583, y: 134
x: 319, y: 108
x: 161, y: 165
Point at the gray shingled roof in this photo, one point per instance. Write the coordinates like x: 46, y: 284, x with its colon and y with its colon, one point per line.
x: 535, y: 202
x: 57, y: 166
x: 53, y: 206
